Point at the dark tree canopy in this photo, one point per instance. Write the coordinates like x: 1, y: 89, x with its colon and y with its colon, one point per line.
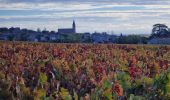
x: 160, y: 30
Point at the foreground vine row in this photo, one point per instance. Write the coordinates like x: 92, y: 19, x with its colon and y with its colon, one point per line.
x: 84, y: 71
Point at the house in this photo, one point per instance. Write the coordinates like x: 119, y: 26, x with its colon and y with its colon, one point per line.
x: 100, y: 37
x: 86, y: 37
x: 32, y: 37
x: 4, y: 36
x: 53, y: 37
x: 159, y: 41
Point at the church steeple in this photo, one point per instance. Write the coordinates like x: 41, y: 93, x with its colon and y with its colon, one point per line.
x: 74, y: 26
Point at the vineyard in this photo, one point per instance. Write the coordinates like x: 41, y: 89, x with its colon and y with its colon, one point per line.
x: 44, y: 71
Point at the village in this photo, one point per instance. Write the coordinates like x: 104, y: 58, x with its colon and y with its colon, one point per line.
x: 160, y: 35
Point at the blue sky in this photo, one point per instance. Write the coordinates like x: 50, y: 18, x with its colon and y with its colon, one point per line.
x: 113, y: 16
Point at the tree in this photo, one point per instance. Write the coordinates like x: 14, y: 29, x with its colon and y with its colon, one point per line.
x: 38, y: 30
x: 131, y: 39
x: 160, y: 30
x: 11, y: 37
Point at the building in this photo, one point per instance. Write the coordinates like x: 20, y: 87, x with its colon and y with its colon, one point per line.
x: 100, y: 37
x: 53, y: 37
x: 86, y: 37
x: 4, y: 36
x: 68, y: 30
x: 159, y: 41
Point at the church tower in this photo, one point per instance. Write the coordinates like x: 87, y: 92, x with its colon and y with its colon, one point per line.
x: 74, y: 26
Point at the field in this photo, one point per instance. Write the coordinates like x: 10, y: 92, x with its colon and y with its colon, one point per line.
x: 43, y: 71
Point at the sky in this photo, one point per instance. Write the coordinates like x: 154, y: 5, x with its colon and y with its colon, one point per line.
x: 112, y: 16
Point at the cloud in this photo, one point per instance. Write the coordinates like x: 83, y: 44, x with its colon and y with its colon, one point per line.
x: 100, y: 1
x: 127, y: 16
